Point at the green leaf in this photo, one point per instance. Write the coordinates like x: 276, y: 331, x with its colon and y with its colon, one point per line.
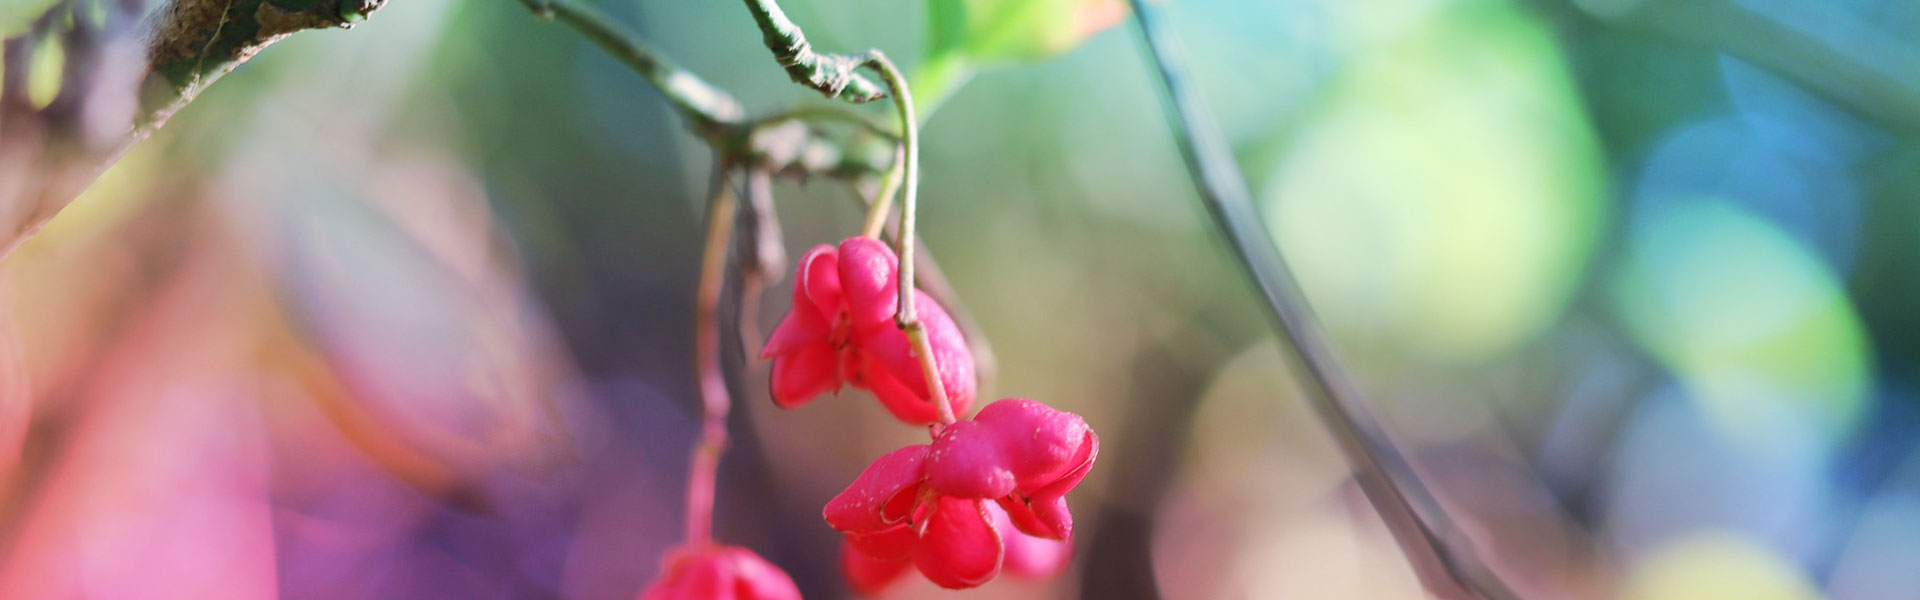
x: 963, y: 35
x: 994, y: 31
x: 17, y: 16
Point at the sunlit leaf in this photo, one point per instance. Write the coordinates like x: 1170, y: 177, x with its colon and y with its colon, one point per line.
x: 965, y: 34
x: 1000, y: 30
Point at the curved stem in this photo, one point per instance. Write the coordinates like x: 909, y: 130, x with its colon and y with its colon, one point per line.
x: 910, y: 169
x: 932, y: 280
x: 702, y: 474
x: 906, y: 318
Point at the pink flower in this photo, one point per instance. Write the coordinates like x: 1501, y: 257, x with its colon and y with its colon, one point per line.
x: 928, y: 504
x: 841, y: 330
x: 711, y: 572
x: 1021, y: 453
x: 1026, y: 557
x: 1030, y: 557
x: 868, y: 575
x: 890, y: 515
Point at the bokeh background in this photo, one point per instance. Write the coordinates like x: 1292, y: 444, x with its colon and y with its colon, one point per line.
x: 405, y: 311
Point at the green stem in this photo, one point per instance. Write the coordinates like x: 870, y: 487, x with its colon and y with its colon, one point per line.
x: 906, y: 318
x: 833, y: 75
x: 931, y: 279
x: 883, y: 200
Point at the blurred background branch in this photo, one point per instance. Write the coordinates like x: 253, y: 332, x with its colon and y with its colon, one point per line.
x: 1445, y: 560
x: 710, y: 111
x: 1819, y: 45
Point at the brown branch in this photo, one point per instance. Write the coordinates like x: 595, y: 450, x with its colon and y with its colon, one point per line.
x: 122, y: 79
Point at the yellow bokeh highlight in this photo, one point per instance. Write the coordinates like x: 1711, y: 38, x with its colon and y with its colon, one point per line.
x: 1756, y: 328
x: 1446, y: 198
x: 1716, y: 566
x: 44, y: 70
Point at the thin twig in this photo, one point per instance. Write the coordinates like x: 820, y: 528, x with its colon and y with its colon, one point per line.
x: 904, y: 246
x: 713, y: 113
x: 930, y: 278
x: 703, y: 473
x: 833, y: 75
x: 762, y: 255
x: 1446, y: 563
x: 817, y: 112
x: 882, y: 203
x: 709, y: 109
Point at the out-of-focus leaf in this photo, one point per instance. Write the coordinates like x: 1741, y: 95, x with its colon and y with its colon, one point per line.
x: 16, y: 16
x: 45, y: 69
x: 989, y: 31
x: 966, y: 34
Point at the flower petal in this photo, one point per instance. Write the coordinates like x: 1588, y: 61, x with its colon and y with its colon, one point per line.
x: 1044, y: 443
x: 1020, y: 513
x: 803, y: 327
x: 959, y: 549
x: 902, y: 402
x: 803, y: 375
x: 951, y: 355
x: 1027, y: 556
x: 868, y: 272
x: 818, y: 280
x: 869, y: 576
x: 874, y: 502
x: 969, y: 460
x: 1023, y: 453
x: 690, y: 576
x: 756, y: 579
x: 1043, y: 512
x: 892, y: 543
